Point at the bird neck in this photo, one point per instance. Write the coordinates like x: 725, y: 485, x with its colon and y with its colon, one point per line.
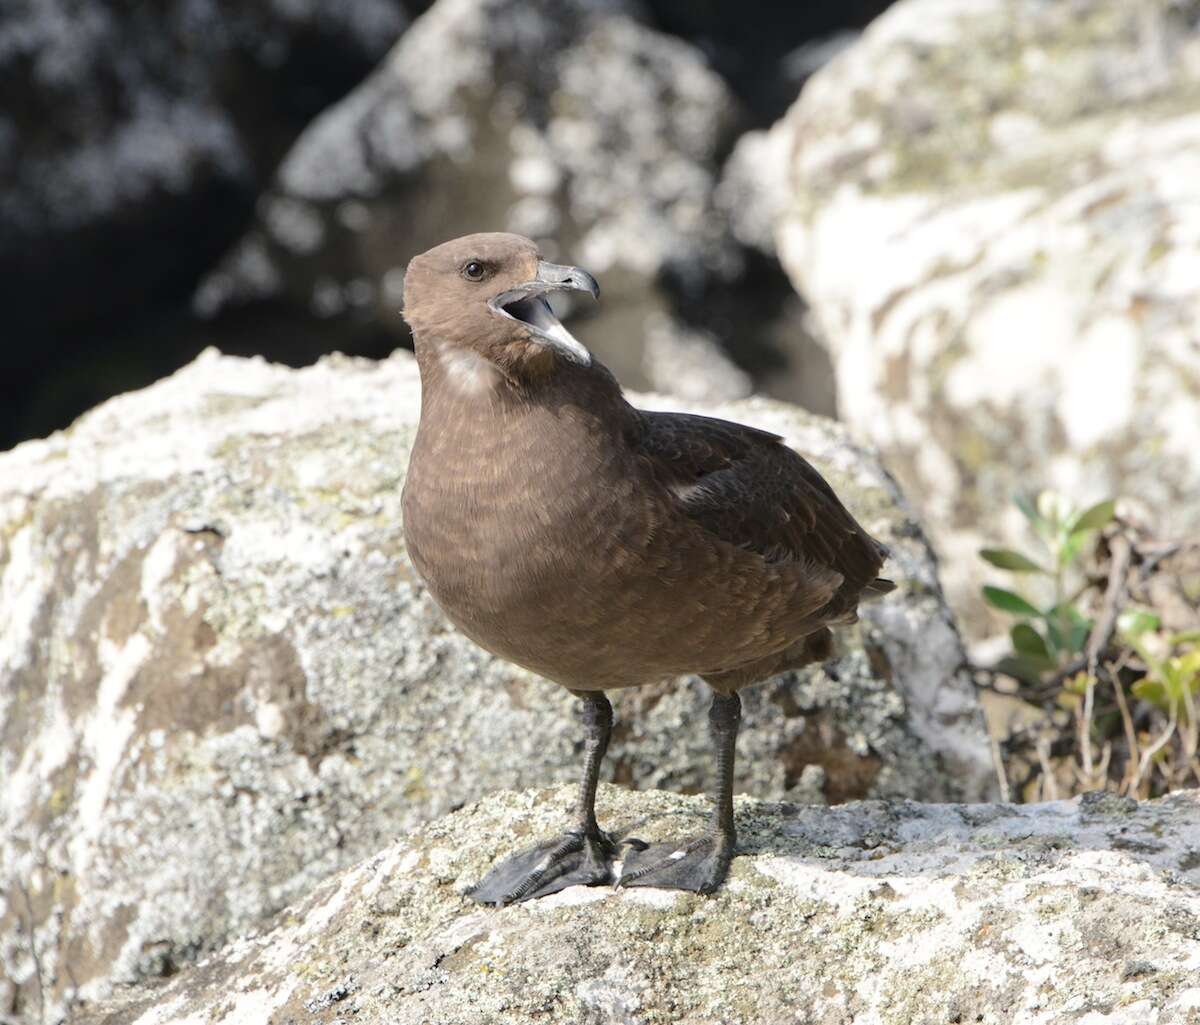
x: 463, y: 381
x: 456, y: 371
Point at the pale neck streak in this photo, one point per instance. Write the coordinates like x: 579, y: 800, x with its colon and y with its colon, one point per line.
x: 467, y: 372
x: 463, y: 385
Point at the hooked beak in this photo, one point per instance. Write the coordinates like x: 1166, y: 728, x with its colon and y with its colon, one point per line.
x: 527, y: 304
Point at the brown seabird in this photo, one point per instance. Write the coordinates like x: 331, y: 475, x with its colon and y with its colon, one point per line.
x: 603, y: 546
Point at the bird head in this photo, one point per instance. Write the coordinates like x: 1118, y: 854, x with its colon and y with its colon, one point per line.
x: 483, y: 297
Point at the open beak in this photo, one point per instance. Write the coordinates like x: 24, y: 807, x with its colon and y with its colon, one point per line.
x: 527, y: 304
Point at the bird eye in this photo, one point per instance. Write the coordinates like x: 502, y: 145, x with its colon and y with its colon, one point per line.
x: 473, y: 270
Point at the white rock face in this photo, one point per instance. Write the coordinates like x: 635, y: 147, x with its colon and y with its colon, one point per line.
x: 220, y: 680
x: 993, y: 213
x: 1083, y: 912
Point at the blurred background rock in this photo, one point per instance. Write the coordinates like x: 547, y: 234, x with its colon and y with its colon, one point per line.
x: 994, y: 213
x: 256, y: 175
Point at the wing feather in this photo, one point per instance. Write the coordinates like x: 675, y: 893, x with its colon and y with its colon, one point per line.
x: 746, y: 487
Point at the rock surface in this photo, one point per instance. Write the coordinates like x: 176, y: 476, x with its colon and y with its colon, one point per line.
x: 1085, y: 911
x: 220, y: 680
x: 570, y: 121
x: 1001, y: 252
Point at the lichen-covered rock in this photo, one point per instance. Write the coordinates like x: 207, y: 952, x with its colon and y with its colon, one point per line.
x: 878, y: 913
x: 220, y: 680
x: 568, y: 121
x: 126, y: 126
x: 993, y: 215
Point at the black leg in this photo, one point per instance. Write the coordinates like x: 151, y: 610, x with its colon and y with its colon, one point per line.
x: 597, y: 715
x: 700, y: 864
x: 584, y: 854
x: 724, y: 718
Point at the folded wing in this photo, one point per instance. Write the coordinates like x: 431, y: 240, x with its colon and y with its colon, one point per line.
x: 747, y: 488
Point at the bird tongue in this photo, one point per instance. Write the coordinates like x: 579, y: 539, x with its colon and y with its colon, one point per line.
x: 535, y: 311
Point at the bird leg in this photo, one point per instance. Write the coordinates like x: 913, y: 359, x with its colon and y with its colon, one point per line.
x: 581, y: 856
x: 700, y: 864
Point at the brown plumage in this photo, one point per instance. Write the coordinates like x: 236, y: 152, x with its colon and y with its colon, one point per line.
x: 602, y: 546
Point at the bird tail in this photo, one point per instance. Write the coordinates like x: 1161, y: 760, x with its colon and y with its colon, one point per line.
x: 877, y: 588
x: 818, y: 646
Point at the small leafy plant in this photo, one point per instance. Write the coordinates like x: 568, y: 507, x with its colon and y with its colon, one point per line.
x: 1097, y: 646
x: 1172, y: 680
x: 1050, y: 634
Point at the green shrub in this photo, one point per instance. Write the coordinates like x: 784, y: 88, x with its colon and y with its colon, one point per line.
x: 1082, y: 645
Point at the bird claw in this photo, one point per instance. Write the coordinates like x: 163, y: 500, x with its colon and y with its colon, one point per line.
x: 698, y: 865
x: 574, y: 859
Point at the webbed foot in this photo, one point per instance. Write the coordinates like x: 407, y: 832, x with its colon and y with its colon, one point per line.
x: 574, y: 859
x: 698, y: 865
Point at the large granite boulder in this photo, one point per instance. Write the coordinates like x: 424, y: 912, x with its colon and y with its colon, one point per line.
x: 991, y: 208
x: 570, y: 121
x: 1082, y: 912
x: 220, y: 680
x: 133, y: 138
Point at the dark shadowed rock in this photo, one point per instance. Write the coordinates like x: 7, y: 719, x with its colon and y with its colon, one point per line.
x: 220, y: 680
x: 766, y: 50
x: 133, y: 138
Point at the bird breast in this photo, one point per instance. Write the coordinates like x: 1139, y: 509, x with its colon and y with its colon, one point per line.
x: 520, y: 523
